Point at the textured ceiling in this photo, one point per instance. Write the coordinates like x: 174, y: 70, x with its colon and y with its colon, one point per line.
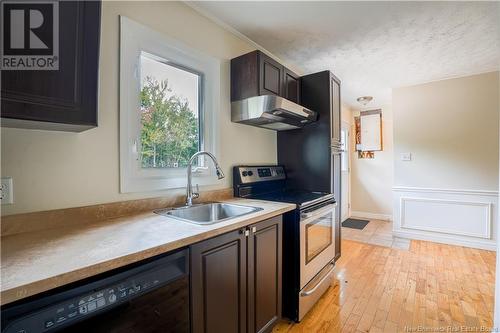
x: 372, y: 46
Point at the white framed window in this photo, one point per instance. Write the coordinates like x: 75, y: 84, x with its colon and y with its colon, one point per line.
x: 169, y: 102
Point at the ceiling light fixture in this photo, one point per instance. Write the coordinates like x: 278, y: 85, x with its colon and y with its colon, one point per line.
x: 364, y: 100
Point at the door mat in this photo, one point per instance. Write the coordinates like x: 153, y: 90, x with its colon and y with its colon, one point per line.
x: 355, y: 223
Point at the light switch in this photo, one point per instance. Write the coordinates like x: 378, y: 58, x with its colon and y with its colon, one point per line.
x: 405, y: 156
x: 6, y: 191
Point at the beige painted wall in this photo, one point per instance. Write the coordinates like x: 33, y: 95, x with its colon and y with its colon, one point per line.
x: 451, y: 129
x: 57, y: 170
x: 372, y: 179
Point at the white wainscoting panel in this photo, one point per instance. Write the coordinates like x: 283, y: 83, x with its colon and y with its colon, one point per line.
x: 468, y: 218
x: 458, y: 217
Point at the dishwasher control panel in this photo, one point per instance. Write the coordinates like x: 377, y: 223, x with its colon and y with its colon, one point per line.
x: 90, y: 302
x: 77, y: 308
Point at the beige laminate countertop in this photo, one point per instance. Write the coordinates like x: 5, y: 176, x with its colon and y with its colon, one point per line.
x: 39, y: 261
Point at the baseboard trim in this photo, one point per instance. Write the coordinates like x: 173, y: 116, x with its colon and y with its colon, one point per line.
x: 371, y: 216
x: 484, y: 245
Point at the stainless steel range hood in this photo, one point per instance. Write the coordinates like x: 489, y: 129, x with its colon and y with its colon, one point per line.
x: 271, y: 112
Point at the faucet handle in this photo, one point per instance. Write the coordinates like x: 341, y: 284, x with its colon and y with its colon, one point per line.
x: 196, y: 194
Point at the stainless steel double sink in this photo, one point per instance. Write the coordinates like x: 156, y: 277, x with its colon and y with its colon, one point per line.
x: 209, y: 213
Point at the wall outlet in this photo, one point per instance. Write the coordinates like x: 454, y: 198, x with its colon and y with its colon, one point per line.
x: 405, y: 156
x: 6, y: 191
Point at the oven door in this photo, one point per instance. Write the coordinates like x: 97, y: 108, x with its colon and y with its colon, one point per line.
x: 317, y: 240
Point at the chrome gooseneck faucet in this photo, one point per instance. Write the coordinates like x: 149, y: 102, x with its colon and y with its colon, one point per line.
x: 190, y: 195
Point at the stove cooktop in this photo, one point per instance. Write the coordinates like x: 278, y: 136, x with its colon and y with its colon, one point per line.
x: 298, y: 197
x: 270, y: 183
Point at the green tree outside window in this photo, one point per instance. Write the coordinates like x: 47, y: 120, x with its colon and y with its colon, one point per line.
x: 169, y: 135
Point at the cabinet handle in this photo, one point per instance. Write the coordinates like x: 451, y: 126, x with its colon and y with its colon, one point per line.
x: 254, y: 229
x: 247, y: 232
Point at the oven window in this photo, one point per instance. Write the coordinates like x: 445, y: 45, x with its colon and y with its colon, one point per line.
x: 318, y: 236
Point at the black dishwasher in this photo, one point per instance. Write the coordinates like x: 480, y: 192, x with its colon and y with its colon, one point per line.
x: 151, y: 296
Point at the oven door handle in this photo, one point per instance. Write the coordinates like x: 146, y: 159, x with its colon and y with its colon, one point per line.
x: 320, y: 282
x: 318, y: 212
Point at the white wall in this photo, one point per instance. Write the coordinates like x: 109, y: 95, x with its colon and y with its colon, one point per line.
x: 372, y: 179
x: 448, y: 192
x: 53, y: 170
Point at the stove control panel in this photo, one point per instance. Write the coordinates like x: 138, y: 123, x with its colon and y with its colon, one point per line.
x: 252, y: 174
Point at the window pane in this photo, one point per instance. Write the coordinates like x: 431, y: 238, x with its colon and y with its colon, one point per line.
x: 169, y: 100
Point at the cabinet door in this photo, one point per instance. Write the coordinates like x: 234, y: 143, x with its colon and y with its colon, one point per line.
x: 271, y: 76
x: 264, y: 275
x: 291, y: 86
x: 218, y: 284
x: 64, y: 99
x: 335, y: 110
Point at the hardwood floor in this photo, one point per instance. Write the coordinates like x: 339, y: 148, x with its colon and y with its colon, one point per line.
x: 381, y: 289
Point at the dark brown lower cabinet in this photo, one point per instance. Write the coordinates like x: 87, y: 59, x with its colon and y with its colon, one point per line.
x: 236, y: 280
x: 264, y: 275
x: 218, y: 284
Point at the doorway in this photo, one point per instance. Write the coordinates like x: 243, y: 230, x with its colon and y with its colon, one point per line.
x: 345, y: 171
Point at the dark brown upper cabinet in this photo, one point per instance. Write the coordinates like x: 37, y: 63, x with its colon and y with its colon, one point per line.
x: 64, y: 99
x: 336, y: 110
x: 292, y: 86
x: 271, y: 76
x: 255, y: 74
x: 236, y: 280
